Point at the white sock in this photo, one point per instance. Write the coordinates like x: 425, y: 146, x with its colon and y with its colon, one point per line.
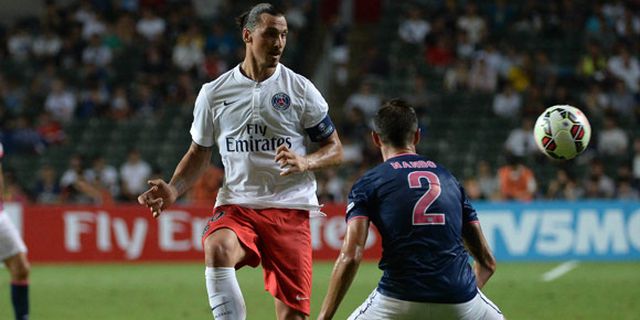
x: 225, y: 297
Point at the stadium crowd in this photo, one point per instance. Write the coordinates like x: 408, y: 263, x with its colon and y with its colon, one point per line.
x: 134, y: 59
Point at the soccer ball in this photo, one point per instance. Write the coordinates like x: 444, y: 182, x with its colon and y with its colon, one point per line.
x: 562, y: 132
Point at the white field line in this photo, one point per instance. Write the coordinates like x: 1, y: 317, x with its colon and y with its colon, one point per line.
x: 559, y: 271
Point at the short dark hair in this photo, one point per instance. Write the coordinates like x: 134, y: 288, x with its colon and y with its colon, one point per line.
x: 396, y: 123
x: 250, y: 18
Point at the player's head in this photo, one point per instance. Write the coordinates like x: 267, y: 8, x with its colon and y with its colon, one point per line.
x: 264, y: 32
x: 396, y: 124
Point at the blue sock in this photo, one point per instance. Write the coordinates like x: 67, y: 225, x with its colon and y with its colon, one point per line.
x: 20, y: 300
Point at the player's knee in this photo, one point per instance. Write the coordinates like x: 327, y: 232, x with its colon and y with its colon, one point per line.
x: 222, y: 251
x: 20, y: 271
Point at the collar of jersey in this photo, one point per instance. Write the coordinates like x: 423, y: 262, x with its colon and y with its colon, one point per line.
x: 402, y: 154
x: 237, y: 74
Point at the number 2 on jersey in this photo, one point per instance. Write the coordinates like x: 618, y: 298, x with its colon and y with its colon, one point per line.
x: 420, y: 215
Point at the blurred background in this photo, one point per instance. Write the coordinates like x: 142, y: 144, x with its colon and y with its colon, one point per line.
x: 96, y: 97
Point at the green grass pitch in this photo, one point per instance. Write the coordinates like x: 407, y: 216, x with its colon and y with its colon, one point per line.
x: 176, y: 291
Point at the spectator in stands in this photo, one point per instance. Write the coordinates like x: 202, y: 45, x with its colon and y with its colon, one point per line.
x: 417, y: 95
x: 516, y: 181
x: 595, y: 101
x: 440, y: 55
x: 96, y: 53
x: 103, y: 177
x: 483, y: 77
x: 19, y: 44
x: 456, y: 78
x: 598, y: 184
x: 564, y: 187
x: 24, y: 138
x: 47, y: 189
x: 146, y: 102
x: 120, y: 107
x: 636, y: 162
x: 205, y: 189
x: 75, y: 188
x: 628, y: 26
x: 60, y: 102
x: 47, y: 45
x: 364, y: 99
x: 622, y: 101
x: 50, y: 130
x: 612, y: 140
x: 593, y: 65
x: 487, y: 182
x: 150, y: 26
x: 520, y: 74
x: 188, y: 53
x: 134, y: 174
x: 520, y: 141
x: 507, y: 104
x: 414, y: 28
x: 331, y: 187
x: 472, y: 23
x: 221, y: 41
x: 625, y: 67
x: 625, y: 191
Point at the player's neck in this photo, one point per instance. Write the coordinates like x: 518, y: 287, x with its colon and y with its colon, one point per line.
x: 252, y: 70
x: 390, y: 152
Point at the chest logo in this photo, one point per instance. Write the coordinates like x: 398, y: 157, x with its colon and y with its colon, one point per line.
x: 281, y: 101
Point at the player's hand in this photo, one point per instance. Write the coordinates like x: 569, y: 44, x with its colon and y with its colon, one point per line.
x: 290, y: 160
x: 159, y: 197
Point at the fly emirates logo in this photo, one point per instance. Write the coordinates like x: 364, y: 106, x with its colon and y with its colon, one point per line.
x: 256, y: 139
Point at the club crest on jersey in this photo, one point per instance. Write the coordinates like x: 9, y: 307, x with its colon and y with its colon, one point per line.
x: 281, y: 101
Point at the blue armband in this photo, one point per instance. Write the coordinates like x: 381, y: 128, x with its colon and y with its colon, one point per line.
x: 322, y: 130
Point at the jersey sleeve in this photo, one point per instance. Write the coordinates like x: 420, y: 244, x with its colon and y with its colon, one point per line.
x: 469, y: 214
x: 202, y: 125
x: 315, y: 119
x: 359, y: 201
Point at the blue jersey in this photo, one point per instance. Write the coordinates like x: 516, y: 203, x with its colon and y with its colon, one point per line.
x: 419, y: 208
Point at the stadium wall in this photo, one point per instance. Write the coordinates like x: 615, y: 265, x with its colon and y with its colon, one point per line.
x: 536, y: 231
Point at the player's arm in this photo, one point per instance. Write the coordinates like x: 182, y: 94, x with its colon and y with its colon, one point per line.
x: 346, y: 266
x: 329, y: 154
x: 161, y: 195
x: 485, y: 263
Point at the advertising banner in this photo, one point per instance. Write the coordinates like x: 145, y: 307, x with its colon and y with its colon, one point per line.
x: 536, y: 231
x: 548, y: 231
x: 129, y: 233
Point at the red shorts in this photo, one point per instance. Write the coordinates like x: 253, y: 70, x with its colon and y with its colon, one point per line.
x: 281, y: 239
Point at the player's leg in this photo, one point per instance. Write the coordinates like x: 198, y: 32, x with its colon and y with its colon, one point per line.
x: 285, y: 248
x: 13, y: 253
x: 18, y: 267
x: 285, y: 312
x: 222, y: 252
x: 229, y: 243
x: 380, y: 307
x: 478, y: 308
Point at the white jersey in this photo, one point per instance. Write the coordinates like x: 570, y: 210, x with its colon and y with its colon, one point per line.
x: 248, y: 120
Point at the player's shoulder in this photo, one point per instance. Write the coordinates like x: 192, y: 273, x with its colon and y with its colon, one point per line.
x: 293, y: 77
x: 220, y: 81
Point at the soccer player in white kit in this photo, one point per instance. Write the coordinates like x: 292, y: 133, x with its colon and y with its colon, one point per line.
x: 263, y: 117
x: 13, y: 252
x: 426, y: 224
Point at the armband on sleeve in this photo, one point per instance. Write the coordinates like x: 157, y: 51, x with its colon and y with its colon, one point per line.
x: 322, y: 130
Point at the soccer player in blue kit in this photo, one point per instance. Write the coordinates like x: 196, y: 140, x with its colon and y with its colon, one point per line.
x: 425, y: 222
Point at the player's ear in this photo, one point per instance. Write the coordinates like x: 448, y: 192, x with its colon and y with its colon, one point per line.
x: 376, y: 139
x: 416, y: 137
x: 246, y: 35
